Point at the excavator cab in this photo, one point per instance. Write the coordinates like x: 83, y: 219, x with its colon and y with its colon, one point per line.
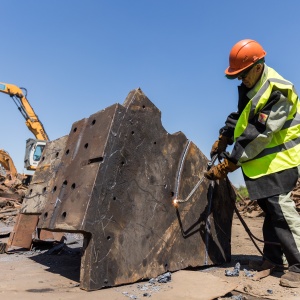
x: 33, y: 153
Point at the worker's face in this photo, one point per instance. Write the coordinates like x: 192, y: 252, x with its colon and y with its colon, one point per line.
x: 250, y: 79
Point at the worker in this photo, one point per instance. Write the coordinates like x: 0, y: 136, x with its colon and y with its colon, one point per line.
x: 265, y: 133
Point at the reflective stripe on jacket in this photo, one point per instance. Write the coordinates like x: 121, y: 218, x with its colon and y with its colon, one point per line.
x: 282, y: 131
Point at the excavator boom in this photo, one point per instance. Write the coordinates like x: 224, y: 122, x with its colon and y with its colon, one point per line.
x: 31, y: 119
x: 35, y: 147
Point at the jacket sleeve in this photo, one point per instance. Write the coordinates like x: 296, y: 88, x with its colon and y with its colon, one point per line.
x: 261, y: 128
x: 228, y: 129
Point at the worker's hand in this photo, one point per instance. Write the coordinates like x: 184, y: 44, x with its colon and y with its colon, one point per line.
x: 220, y: 145
x: 221, y: 170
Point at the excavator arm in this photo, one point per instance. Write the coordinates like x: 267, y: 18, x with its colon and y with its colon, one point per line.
x: 34, y: 147
x: 31, y: 119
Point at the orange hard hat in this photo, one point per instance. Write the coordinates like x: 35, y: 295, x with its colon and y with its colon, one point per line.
x: 244, y: 54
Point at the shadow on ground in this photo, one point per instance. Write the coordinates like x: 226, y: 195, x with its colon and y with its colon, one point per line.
x: 61, y: 260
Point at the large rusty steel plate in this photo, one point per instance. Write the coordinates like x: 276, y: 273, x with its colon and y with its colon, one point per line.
x: 118, y: 175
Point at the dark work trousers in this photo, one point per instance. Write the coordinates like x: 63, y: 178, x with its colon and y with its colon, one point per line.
x: 281, y: 225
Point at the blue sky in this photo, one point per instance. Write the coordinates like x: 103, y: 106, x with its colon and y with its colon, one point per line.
x: 78, y: 57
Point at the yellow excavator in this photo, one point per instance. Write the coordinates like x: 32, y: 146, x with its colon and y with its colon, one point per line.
x: 8, y: 164
x: 34, y: 147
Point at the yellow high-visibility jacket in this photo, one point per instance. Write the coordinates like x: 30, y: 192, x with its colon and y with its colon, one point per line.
x: 268, y: 129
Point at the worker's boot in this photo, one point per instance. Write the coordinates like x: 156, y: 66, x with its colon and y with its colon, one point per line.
x: 261, y: 265
x: 290, y: 279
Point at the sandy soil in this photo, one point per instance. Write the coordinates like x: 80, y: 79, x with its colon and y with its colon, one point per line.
x: 38, y: 275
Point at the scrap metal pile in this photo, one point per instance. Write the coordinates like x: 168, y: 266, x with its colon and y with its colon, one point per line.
x: 12, y: 192
x: 114, y: 179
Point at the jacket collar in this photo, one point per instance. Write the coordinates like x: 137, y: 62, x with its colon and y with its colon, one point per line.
x: 259, y: 83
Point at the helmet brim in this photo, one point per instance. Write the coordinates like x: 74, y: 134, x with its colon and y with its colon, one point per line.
x: 233, y: 74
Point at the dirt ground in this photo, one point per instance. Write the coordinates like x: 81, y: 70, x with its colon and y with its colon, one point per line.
x: 54, y: 274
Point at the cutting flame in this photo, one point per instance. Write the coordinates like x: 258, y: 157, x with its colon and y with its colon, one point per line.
x: 175, y: 203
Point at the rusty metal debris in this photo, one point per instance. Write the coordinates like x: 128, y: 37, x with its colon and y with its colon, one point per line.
x: 25, y: 230
x: 12, y: 192
x: 113, y: 179
x: 22, y: 235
